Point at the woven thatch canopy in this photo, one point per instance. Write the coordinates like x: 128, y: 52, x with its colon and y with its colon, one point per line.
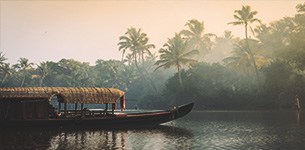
x: 68, y: 95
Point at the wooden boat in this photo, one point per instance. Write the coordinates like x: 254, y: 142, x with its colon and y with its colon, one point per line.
x: 34, y: 106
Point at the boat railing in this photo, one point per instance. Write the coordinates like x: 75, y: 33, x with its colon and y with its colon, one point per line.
x: 84, y: 113
x: 93, y: 112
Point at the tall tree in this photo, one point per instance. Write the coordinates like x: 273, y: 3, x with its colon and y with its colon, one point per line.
x: 240, y: 58
x: 197, y: 38
x: 128, y: 59
x: 23, y: 65
x: 113, y: 73
x: 284, y: 39
x: 44, y: 70
x: 275, y: 37
x: 222, y: 48
x: 301, y: 8
x: 2, y: 66
x: 137, y: 42
x: 245, y: 17
x: 74, y: 73
x: 175, y: 53
x: 2, y: 58
x: 7, y: 71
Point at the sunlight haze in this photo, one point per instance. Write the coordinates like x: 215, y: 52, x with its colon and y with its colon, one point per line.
x: 90, y: 30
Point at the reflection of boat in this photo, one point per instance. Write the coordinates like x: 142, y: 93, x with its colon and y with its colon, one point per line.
x: 20, y: 107
x: 93, y: 137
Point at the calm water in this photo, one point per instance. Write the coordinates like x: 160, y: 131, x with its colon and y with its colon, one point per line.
x: 198, y: 130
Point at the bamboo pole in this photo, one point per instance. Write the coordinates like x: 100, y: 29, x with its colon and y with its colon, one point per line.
x: 106, y: 109
x: 65, y: 108
x: 75, y: 108
x: 59, y: 107
x: 82, y: 107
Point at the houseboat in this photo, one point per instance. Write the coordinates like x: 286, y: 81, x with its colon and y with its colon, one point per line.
x: 48, y: 106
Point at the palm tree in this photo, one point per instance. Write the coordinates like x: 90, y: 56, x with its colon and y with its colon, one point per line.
x: 228, y: 35
x: 144, y: 48
x: 43, y: 69
x: 175, y: 53
x: 136, y: 42
x: 2, y: 65
x: 197, y: 39
x: 245, y: 17
x: 2, y: 58
x: 222, y: 47
x: 241, y: 58
x: 22, y: 66
x: 74, y: 73
x: 301, y: 8
x: 7, y: 71
x: 129, y: 59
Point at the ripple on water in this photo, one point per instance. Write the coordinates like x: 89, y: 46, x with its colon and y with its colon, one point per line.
x: 199, y: 130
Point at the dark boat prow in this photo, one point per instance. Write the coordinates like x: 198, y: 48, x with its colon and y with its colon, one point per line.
x: 184, y: 109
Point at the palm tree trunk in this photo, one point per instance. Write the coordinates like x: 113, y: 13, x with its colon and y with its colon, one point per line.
x: 254, y: 64
x: 152, y: 83
x: 136, y: 62
x: 179, y: 76
x: 122, y: 57
x: 41, y: 81
x: 23, y: 79
x: 142, y: 53
x: 139, y: 58
x: 149, y: 81
x: 5, y: 76
x: 251, y: 54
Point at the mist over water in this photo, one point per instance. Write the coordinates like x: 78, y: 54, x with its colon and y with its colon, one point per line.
x: 198, y: 130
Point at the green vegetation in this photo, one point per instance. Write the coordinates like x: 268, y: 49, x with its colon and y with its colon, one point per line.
x: 176, y: 54
x: 244, y: 17
x: 265, y: 71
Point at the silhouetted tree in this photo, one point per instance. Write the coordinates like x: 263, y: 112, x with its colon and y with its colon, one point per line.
x: 175, y: 53
x: 245, y: 17
x: 197, y: 38
x: 23, y: 65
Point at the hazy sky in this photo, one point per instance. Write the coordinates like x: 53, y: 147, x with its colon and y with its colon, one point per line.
x: 43, y: 30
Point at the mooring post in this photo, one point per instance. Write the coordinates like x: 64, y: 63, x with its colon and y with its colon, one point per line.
x: 113, y: 108
x: 297, y: 103
x: 75, y: 108
x: 59, y: 107
x: 82, y: 107
x: 65, y: 108
x: 106, y: 109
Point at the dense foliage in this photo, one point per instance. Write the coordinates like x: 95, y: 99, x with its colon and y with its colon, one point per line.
x: 262, y: 71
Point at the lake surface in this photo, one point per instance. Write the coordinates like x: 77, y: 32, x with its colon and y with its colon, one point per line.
x: 198, y: 130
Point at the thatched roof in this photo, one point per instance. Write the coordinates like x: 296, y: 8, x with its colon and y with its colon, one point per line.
x: 68, y: 95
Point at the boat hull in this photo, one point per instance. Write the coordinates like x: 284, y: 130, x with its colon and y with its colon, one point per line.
x: 118, y: 120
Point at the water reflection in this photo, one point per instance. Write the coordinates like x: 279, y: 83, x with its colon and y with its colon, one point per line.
x: 159, y: 137
x: 198, y: 130
x: 247, y: 130
x: 29, y: 139
x: 298, y: 117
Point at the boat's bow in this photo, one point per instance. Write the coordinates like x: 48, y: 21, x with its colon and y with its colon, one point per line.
x: 182, y: 110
